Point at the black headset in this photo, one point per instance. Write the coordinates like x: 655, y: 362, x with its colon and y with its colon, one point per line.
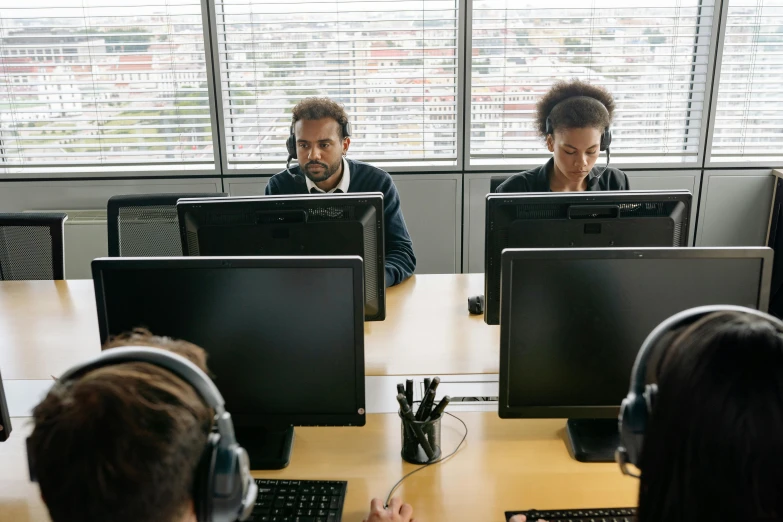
x: 224, y: 491
x: 606, y: 137
x: 637, y: 406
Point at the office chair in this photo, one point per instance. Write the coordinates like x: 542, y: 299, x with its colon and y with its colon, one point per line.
x: 146, y: 225
x: 31, y: 246
x: 495, y: 182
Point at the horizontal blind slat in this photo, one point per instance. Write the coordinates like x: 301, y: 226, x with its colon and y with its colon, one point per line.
x: 393, y: 68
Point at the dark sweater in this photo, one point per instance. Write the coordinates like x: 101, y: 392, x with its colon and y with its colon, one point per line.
x: 537, y: 179
x: 400, y: 261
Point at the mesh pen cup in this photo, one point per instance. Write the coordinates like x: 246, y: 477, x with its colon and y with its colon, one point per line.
x: 412, y: 448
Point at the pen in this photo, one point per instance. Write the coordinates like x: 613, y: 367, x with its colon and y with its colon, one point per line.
x: 400, y: 388
x: 438, y: 411
x: 409, y: 390
x: 407, y: 414
x: 427, y: 382
x: 426, y: 405
x: 434, y: 383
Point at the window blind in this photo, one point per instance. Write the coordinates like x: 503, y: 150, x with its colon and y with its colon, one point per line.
x: 749, y: 111
x: 391, y: 63
x: 103, y: 85
x: 652, y: 56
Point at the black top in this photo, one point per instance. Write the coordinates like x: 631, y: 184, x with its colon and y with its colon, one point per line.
x: 537, y: 179
x: 400, y: 260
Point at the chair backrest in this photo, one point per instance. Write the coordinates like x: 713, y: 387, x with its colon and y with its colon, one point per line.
x: 31, y: 246
x: 495, y: 182
x: 146, y: 225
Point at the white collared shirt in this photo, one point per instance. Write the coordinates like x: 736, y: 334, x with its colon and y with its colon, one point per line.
x: 343, y: 185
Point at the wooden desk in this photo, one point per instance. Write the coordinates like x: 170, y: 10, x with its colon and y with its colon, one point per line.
x: 505, y: 464
x: 47, y: 327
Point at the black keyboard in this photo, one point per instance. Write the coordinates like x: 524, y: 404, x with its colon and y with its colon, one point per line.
x: 578, y: 515
x: 299, y: 501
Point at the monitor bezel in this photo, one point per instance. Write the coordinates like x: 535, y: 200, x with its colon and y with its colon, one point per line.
x: 508, y: 256
x: 494, y: 200
x: 286, y: 201
x: 102, y: 265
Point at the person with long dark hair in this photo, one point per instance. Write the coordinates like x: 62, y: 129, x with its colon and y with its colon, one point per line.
x: 713, y: 443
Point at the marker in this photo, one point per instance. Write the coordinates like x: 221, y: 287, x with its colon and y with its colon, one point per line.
x: 434, y: 383
x: 438, y: 411
x: 407, y: 414
x: 409, y: 390
x: 426, y: 406
x: 400, y: 388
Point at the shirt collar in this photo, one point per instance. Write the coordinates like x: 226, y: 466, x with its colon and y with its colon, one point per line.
x: 343, y: 185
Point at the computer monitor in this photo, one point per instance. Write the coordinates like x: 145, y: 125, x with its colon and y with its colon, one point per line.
x: 573, y: 320
x: 579, y: 220
x: 5, y: 417
x: 284, y: 336
x: 295, y: 225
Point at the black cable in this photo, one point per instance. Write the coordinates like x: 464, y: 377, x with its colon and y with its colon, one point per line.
x: 394, y: 488
x: 607, y: 164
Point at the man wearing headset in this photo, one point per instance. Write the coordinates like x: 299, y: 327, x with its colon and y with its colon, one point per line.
x: 319, y: 141
x: 141, y: 435
x: 575, y: 120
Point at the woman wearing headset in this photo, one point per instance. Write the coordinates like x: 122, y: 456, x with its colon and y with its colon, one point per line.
x: 713, y: 435
x: 574, y: 118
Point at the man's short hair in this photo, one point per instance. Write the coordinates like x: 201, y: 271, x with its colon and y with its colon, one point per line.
x: 121, y: 443
x: 319, y: 108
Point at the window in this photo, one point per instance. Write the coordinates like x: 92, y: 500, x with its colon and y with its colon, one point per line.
x: 652, y: 56
x: 101, y: 121
x: 749, y: 110
x: 392, y: 63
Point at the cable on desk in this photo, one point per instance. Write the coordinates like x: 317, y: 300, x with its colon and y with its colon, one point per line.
x: 394, y: 488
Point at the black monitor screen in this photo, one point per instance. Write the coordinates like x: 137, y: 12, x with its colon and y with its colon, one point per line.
x: 604, y: 219
x: 294, y: 225
x: 281, y: 342
x: 574, y: 326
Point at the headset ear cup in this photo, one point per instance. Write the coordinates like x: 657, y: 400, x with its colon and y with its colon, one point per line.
x: 347, y: 129
x: 606, y: 139
x: 203, y: 482
x: 290, y: 145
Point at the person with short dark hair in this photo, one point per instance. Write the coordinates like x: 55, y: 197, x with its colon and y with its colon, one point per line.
x: 123, y: 443
x: 713, y: 445
x: 321, y: 143
x: 577, y: 113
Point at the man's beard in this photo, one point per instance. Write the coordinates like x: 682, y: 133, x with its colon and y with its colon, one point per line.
x: 326, y: 173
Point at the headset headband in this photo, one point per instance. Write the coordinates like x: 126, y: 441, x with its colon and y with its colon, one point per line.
x: 580, y: 97
x: 176, y: 364
x: 639, y: 372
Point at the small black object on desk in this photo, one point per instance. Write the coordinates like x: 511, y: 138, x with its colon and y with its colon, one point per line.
x: 476, y: 304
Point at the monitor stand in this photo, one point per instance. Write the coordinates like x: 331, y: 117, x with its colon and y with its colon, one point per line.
x: 592, y: 440
x: 267, y: 448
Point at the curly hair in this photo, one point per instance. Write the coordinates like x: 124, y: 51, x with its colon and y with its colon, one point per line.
x: 577, y: 113
x: 318, y: 108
